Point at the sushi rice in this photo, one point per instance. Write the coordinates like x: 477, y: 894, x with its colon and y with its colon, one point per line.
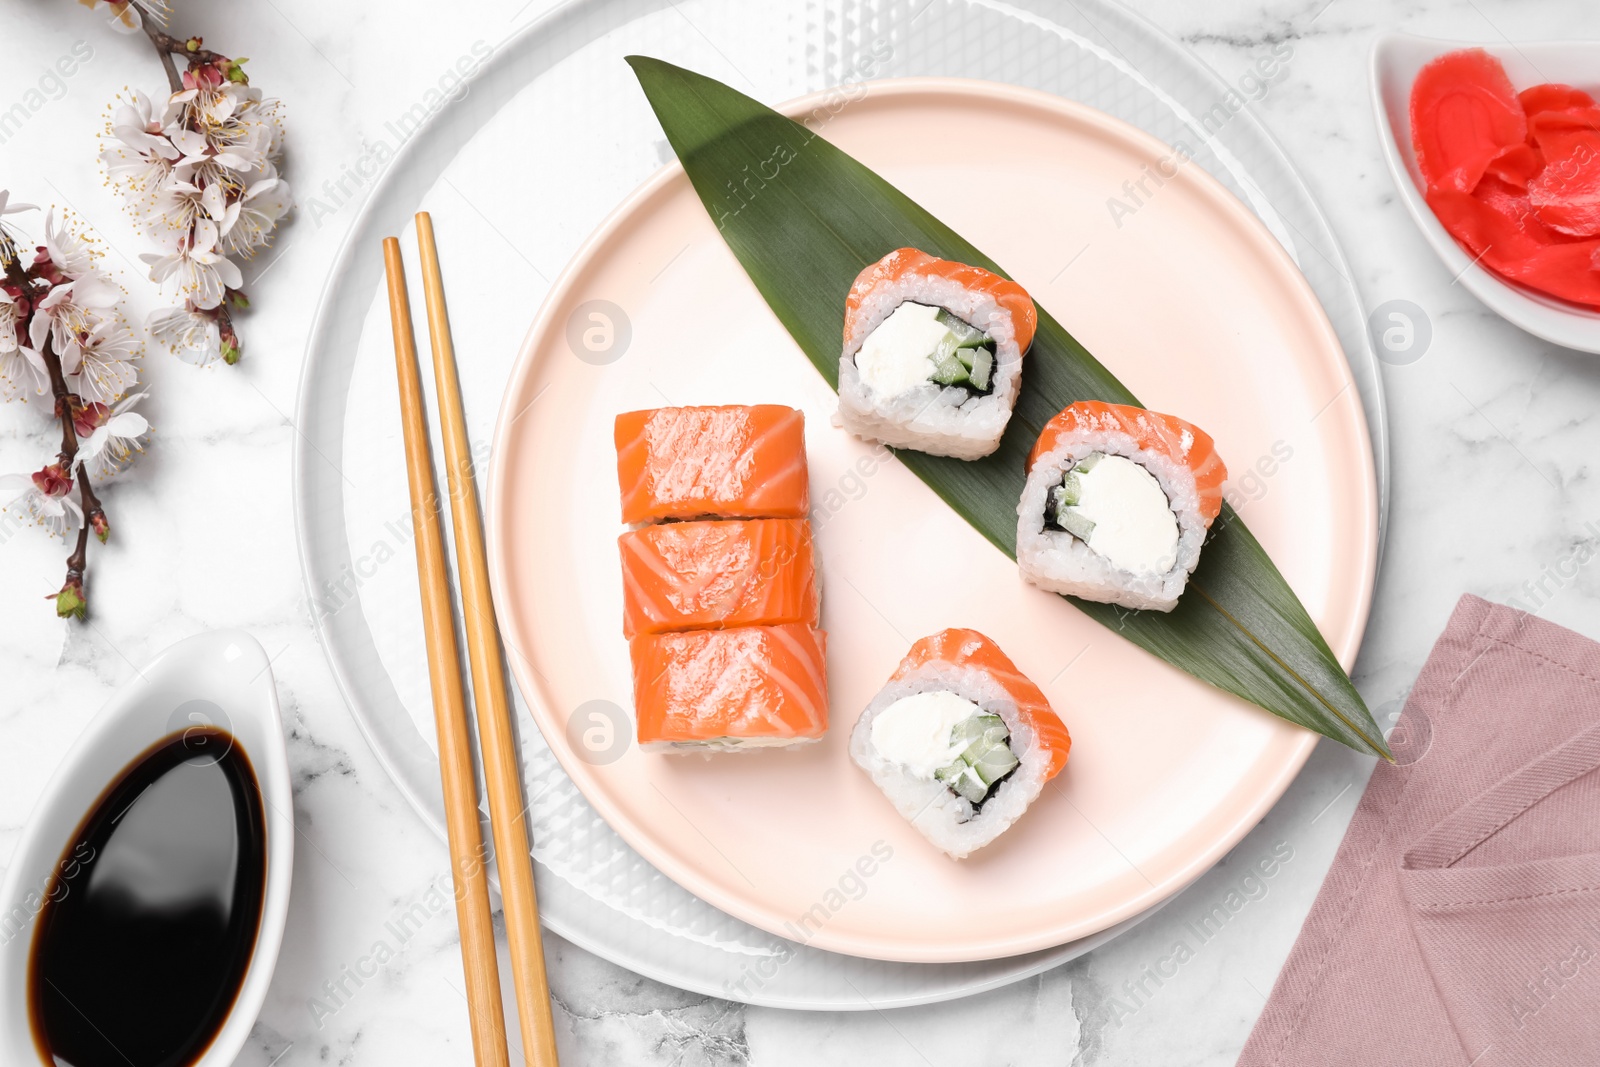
x: 951, y: 821
x: 942, y: 420
x: 1178, y: 456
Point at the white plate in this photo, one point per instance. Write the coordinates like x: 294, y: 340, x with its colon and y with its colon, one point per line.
x: 484, y: 168
x: 1167, y: 773
x: 1396, y: 60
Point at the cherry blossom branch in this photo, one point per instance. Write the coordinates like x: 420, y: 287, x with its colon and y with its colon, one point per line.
x: 199, y: 175
x: 71, y: 600
x: 63, y: 398
x: 168, y: 46
x: 63, y: 335
x: 94, y: 516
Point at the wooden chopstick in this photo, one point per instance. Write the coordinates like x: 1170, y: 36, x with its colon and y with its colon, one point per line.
x: 449, y: 703
x: 502, y: 769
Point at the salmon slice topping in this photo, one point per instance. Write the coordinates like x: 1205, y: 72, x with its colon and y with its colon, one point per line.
x: 969, y: 648
x: 717, y: 573
x: 755, y: 682
x: 1166, y: 435
x: 903, y: 261
x: 729, y: 462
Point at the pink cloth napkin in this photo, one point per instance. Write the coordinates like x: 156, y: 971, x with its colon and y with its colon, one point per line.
x: 1460, y: 923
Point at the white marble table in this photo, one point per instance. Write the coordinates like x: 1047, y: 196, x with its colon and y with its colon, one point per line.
x: 1491, y: 483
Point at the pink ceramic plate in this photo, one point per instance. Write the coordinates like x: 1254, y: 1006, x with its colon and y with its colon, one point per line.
x: 1180, y: 291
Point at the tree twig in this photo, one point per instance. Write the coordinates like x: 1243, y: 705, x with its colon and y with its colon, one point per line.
x: 168, y: 46
x: 64, y: 404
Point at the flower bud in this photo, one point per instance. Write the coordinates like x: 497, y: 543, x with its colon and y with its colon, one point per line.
x: 70, y: 602
x: 86, y: 418
x: 52, y: 480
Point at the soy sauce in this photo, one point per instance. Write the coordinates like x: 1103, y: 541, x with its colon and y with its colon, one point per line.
x: 152, y: 914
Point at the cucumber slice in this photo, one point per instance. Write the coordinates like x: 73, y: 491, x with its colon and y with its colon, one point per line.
x: 1075, y: 524
x: 1087, y: 463
x: 1069, y: 492
x: 967, y: 335
x: 982, y: 364
x: 995, y: 763
x: 962, y: 780
x: 972, y: 787
x: 975, y: 728
x: 950, y: 371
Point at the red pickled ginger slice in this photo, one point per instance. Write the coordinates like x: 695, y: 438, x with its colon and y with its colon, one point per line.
x: 1516, y: 165
x: 1566, y: 193
x: 1552, y: 97
x: 1464, y: 114
x: 1503, y: 233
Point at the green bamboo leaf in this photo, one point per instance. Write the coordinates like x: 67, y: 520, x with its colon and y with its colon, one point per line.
x: 804, y: 218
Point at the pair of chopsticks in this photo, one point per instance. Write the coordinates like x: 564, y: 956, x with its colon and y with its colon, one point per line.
x: 501, y: 769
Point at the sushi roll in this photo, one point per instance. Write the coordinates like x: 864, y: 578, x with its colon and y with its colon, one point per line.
x: 723, y: 690
x: 717, y: 574
x: 712, y: 462
x: 1117, y: 504
x: 959, y: 741
x: 932, y: 354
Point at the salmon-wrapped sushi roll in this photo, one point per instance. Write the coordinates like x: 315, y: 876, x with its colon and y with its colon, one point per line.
x: 729, y: 462
x: 932, y: 354
x: 752, y: 687
x: 1117, y: 504
x: 717, y: 574
x: 959, y: 740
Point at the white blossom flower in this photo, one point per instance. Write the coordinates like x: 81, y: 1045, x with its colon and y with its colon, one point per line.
x: 114, y: 436
x: 68, y: 314
x: 20, y: 365
x: 177, y: 205
x: 264, y: 114
x: 196, y: 271
x: 193, y: 338
x: 103, y: 368
x: 256, y: 214
x: 13, y: 209
x: 71, y: 254
x: 9, y: 341
x: 45, y: 497
x: 143, y: 155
